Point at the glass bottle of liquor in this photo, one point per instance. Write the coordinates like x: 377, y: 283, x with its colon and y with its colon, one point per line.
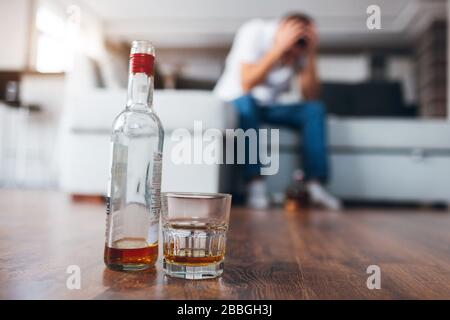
x: 296, y: 194
x: 133, y: 203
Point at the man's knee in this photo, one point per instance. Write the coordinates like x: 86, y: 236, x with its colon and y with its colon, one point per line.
x: 246, y: 105
x: 314, y: 110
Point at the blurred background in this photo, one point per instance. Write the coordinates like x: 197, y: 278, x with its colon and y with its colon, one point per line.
x: 63, y: 77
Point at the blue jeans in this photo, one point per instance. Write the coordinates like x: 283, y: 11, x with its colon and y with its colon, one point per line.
x: 308, y: 116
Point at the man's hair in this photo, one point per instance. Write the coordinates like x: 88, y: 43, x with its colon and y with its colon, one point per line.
x: 298, y: 16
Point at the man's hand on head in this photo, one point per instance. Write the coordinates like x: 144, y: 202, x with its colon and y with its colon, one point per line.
x: 287, y: 49
x: 312, y: 38
x: 288, y: 33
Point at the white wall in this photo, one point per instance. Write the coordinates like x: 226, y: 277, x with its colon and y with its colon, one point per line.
x: 14, y: 31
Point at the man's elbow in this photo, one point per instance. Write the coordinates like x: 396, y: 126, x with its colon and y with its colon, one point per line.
x: 246, y: 87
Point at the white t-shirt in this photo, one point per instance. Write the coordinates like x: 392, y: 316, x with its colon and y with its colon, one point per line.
x: 250, y: 44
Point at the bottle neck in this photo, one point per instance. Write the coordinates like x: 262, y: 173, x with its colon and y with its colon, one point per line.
x: 140, y: 91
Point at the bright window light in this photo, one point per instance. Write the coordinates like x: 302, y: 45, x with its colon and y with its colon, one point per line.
x: 48, y: 22
x: 50, y: 54
x: 56, y: 42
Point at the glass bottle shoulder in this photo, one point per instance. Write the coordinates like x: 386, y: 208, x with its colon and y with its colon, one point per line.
x: 134, y: 123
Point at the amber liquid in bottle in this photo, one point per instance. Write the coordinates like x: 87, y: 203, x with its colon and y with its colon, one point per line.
x: 126, y: 258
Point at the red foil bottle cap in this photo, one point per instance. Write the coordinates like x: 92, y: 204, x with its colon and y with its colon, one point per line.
x: 142, y: 63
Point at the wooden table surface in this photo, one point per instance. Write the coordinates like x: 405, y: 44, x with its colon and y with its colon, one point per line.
x: 270, y: 254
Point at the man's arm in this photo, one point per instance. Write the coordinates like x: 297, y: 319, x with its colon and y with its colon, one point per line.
x: 309, y: 80
x: 253, y: 74
x: 308, y: 77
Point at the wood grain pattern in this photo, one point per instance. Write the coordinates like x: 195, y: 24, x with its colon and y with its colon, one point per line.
x: 270, y: 254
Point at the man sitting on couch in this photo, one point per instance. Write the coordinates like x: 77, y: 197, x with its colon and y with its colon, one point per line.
x: 264, y: 57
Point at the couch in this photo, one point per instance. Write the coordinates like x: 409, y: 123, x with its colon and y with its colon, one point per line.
x: 379, y: 159
x: 372, y: 158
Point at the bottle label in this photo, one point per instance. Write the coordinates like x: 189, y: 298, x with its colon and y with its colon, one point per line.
x: 156, y: 186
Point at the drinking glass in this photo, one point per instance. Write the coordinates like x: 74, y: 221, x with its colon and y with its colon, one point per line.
x: 194, y: 227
